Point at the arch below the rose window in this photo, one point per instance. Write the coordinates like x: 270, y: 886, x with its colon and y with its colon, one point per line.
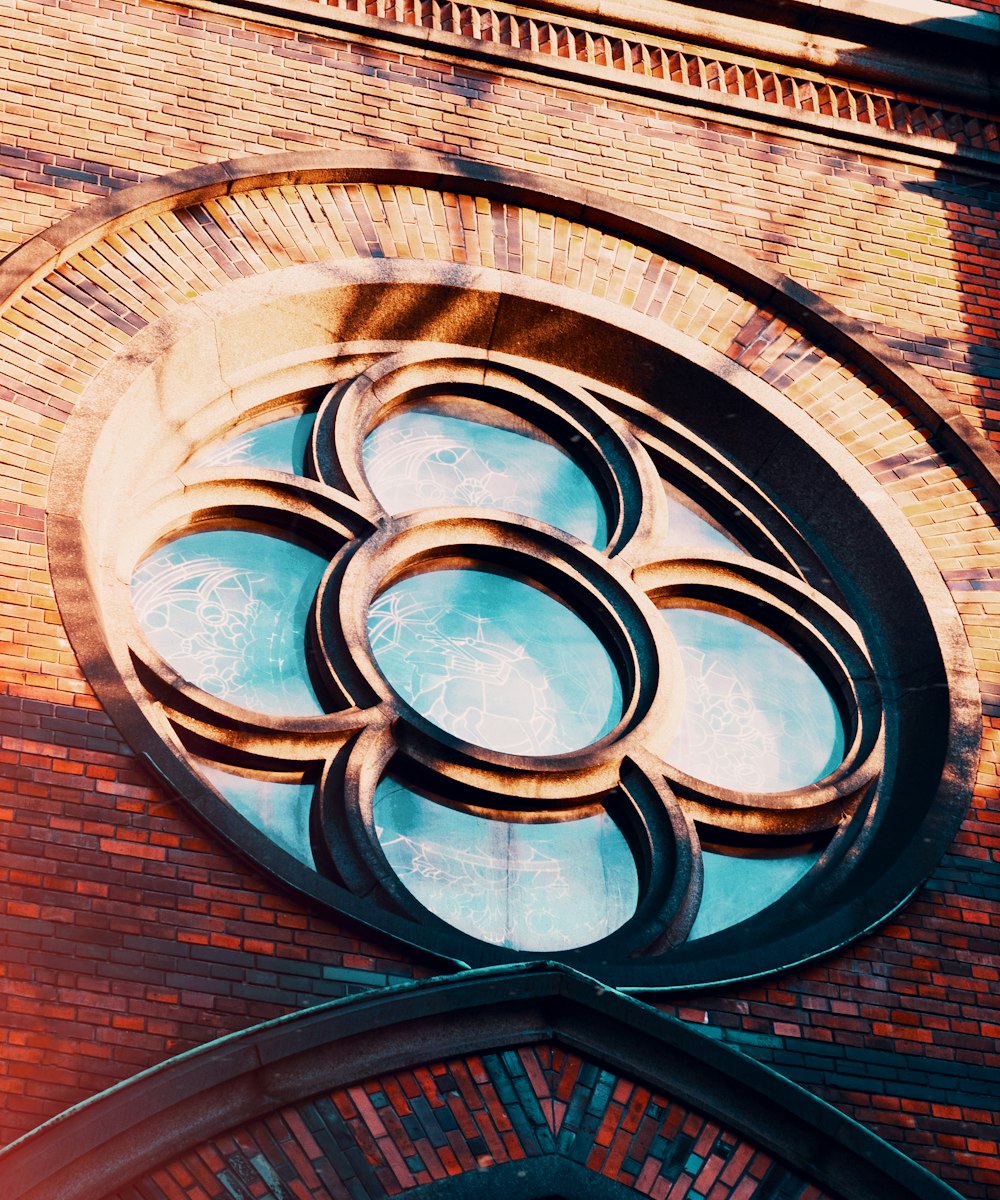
x: 535, y: 1081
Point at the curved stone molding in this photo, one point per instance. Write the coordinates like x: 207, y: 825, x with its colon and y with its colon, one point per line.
x: 651, y: 264
x: 534, y: 1081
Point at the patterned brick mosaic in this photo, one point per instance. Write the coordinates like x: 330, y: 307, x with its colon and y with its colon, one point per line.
x: 392, y: 1134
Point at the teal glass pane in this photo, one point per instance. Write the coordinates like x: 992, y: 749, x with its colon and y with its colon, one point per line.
x: 737, y: 888
x: 228, y: 610
x: 280, y: 810
x: 687, y: 528
x: 528, y: 887
x: 278, y: 446
x: 495, y: 662
x: 420, y: 459
x: 755, y: 716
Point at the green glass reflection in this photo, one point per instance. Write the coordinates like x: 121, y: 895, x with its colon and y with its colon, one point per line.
x: 279, y: 810
x: 228, y: 610
x: 737, y: 888
x: 422, y: 458
x: 535, y: 887
x: 495, y: 661
x: 755, y: 716
x: 278, y: 446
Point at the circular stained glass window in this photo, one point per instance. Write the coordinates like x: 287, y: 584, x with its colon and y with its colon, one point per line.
x: 581, y: 734
x: 505, y: 666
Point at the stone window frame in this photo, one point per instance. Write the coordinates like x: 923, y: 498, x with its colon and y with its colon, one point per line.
x: 856, y: 898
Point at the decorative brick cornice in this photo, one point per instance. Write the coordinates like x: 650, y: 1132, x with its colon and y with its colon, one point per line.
x: 649, y: 63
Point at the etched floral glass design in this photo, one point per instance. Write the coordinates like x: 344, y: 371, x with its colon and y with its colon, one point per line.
x: 227, y: 609
x: 756, y: 717
x: 495, y: 662
x: 278, y: 445
x: 548, y: 886
x: 421, y: 458
x: 494, y: 687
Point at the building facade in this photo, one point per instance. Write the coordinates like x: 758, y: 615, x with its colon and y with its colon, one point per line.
x: 498, y: 673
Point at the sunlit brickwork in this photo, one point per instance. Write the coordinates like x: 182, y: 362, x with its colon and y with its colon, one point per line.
x: 128, y: 933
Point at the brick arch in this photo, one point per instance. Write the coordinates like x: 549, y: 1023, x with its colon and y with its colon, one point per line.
x: 73, y: 295
x: 534, y: 1118
x: 473, y: 1085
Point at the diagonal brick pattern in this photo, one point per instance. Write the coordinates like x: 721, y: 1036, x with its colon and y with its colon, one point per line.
x: 390, y: 1135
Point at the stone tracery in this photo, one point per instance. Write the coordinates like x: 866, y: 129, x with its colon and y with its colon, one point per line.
x: 495, y: 633
x: 364, y: 733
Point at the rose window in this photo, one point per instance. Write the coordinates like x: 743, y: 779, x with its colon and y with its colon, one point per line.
x: 464, y: 653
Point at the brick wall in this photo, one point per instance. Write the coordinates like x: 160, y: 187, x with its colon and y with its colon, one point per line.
x: 128, y: 933
x: 146, y: 89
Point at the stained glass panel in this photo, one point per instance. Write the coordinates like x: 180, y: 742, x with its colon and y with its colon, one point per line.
x: 688, y: 528
x: 281, y: 810
x: 278, y: 446
x: 536, y: 887
x: 756, y: 717
x: 228, y: 610
x: 735, y: 888
x: 495, y: 662
x: 421, y: 458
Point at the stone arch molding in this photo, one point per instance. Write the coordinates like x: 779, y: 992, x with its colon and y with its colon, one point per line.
x: 530, y: 1080
x: 177, y: 309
